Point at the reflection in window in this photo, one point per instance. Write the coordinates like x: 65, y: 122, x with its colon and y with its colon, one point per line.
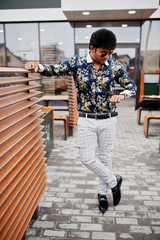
x: 2, y: 47
x: 127, y: 57
x: 57, y: 45
x: 130, y: 34
x: 22, y: 43
x: 56, y: 42
x: 150, y: 47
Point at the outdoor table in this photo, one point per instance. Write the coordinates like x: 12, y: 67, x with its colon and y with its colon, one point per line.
x: 56, y: 98
x: 150, y: 101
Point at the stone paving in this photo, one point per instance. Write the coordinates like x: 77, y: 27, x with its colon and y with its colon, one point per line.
x: 68, y: 208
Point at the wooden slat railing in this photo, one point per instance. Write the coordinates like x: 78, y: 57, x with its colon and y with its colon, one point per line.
x: 73, y: 113
x: 22, y: 161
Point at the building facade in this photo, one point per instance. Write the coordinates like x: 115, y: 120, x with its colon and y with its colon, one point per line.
x: 52, y: 31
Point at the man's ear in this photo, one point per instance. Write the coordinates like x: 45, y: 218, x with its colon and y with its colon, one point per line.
x: 92, y: 49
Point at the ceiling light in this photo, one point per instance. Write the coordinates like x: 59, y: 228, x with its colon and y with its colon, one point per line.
x: 86, y: 37
x: 19, y: 38
x: 132, y: 12
x: 124, y: 25
x: 1, y: 31
x: 42, y: 29
x: 85, y: 13
x: 88, y: 26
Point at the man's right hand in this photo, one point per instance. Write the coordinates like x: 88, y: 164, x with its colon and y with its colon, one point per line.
x: 31, y: 66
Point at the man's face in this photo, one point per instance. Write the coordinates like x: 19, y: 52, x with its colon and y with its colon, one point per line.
x: 100, y: 55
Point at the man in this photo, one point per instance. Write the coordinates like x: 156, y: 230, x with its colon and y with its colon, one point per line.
x: 94, y: 77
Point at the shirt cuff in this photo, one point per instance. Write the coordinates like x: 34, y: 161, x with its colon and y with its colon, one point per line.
x: 40, y: 68
x: 126, y: 93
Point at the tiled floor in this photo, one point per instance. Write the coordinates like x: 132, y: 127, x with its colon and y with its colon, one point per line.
x: 69, y: 207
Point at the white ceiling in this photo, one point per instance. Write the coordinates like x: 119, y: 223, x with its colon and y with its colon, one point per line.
x: 109, y: 15
x: 108, y: 9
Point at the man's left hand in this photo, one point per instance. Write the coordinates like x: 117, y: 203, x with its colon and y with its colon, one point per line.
x: 116, y: 99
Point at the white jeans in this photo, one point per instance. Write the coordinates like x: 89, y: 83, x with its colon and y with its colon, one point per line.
x: 101, y: 131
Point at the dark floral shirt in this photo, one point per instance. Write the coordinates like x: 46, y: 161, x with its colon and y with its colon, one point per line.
x: 95, y: 87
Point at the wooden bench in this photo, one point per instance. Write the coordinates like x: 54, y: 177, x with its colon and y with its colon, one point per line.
x: 147, y: 118
x: 139, y: 110
x: 65, y: 119
x: 71, y: 107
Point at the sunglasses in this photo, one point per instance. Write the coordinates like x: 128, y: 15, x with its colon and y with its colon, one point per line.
x: 103, y: 54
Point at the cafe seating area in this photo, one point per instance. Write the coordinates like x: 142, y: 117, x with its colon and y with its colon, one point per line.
x: 149, y: 98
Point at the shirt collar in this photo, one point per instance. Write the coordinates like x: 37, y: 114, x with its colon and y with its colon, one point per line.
x: 89, y: 60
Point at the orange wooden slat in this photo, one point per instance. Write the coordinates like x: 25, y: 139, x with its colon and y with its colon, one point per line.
x: 9, y: 100
x: 61, y: 108
x: 73, y: 113
x: 31, y: 210
x: 9, y: 183
x: 10, y: 164
x: 19, y: 79
x: 19, y: 179
x: 9, y: 155
x: 18, y: 136
x: 10, y: 132
x: 19, y: 209
x: 14, y: 176
x: 12, y: 70
x: 16, y: 89
x: 17, y: 117
x: 10, y: 110
x: 31, y: 177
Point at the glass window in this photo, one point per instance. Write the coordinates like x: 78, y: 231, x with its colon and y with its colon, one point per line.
x: 57, y: 45
x: 2, y: 47
x: 128, y: 34
x: 57, y: 42
x: 150, y: 47
x: 22, y: 43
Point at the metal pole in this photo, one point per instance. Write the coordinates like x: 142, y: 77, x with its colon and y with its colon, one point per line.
x: 4, y: 29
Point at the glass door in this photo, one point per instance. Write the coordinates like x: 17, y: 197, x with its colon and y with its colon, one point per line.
x: 128, y: 55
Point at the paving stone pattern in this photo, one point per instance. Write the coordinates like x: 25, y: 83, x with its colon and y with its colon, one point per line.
x: 68, y: 208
